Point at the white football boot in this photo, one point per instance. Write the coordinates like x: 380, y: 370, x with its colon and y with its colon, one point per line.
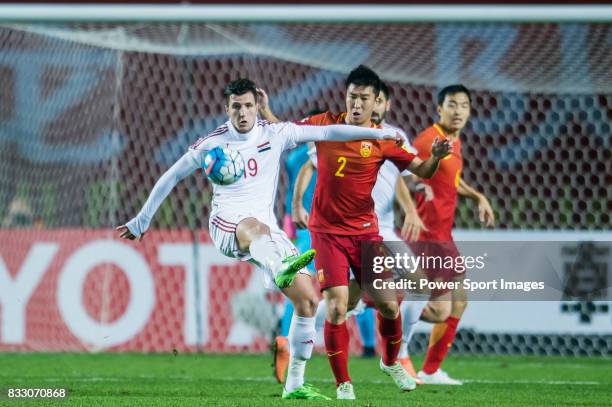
x: 345, y: 391
x: 438, y: 377
x: 402, y: 379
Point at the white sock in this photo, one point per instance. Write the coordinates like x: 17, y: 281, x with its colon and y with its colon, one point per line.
x: 301, y: 342
x: 411, y: 312
x: 403, y: 352
x: 321, y: 315
x: 265, y: 251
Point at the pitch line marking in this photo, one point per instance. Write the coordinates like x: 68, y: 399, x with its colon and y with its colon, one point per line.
x: 314, y: 380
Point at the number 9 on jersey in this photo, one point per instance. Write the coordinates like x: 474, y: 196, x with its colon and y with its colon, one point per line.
x: 223, y: 165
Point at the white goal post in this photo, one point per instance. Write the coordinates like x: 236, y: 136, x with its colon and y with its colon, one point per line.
x: 304, y: 13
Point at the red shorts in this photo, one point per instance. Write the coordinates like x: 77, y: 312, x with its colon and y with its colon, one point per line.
x: 336, y: 254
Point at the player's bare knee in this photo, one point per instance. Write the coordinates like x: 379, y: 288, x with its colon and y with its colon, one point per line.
x: 436, y: 311
x: 337, y: 302
x: 313, y: 304
x: 303, y: 296
x: 336, y: 312
x: 306, y: 307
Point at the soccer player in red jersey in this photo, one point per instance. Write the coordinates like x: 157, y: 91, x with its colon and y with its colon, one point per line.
x: 438, y: 215
x: 342, y: 218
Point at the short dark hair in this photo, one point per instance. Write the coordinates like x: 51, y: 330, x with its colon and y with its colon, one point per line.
x: 452, y: 90
x: 384, y: 89
x: 364, y: 76
x: 239, y: 87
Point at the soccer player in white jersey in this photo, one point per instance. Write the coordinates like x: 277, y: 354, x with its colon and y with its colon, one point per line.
x: 242, y: 221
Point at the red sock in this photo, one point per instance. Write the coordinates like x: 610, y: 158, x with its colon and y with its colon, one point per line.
x: 440, y: 341
x: 336, y: 347
x: 391, y: 335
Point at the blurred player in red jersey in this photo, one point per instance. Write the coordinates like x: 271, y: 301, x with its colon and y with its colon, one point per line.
x: 343, y: 218
x: 438, y: 215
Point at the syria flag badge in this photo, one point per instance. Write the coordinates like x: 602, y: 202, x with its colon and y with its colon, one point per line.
x: 264, y: 147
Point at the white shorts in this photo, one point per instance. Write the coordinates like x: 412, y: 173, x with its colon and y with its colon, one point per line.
x: 222, y: 229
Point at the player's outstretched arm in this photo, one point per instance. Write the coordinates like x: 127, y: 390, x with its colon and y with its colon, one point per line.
x: 485, y: 211
x: 264, y: 106
x: 136, y: 227
x: 299, y: 215
x: 427, y: 168
x: 343, y: 132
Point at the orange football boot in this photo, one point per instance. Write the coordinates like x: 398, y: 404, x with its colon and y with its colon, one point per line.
x: 280, y: 350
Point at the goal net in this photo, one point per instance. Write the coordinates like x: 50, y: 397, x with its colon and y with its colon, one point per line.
x: 91, y: 114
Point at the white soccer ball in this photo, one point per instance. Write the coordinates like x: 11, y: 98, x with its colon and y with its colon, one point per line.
x: 223, y: 165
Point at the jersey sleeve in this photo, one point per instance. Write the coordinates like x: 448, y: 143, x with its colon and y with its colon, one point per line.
x: 292, y: 134
x: 210, y: 140
x: 287, y: 130
x: 185, y: 166
x: 400, y: 156
x: 288, y: 133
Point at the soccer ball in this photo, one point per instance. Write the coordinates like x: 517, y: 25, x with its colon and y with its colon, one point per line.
x: 223, y: 165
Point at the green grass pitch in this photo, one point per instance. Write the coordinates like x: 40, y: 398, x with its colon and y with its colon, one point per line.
x: 231, y: 380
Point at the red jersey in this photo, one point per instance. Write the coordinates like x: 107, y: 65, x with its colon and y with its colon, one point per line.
x: 346, y: 174
x: 438, y: 215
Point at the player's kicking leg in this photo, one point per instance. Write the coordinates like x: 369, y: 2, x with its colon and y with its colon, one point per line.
x: 275, y: 252
x: 255, y: 238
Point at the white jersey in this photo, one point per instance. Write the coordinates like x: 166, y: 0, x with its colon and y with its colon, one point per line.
x: 383, y: 192
x: 261, y: 149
